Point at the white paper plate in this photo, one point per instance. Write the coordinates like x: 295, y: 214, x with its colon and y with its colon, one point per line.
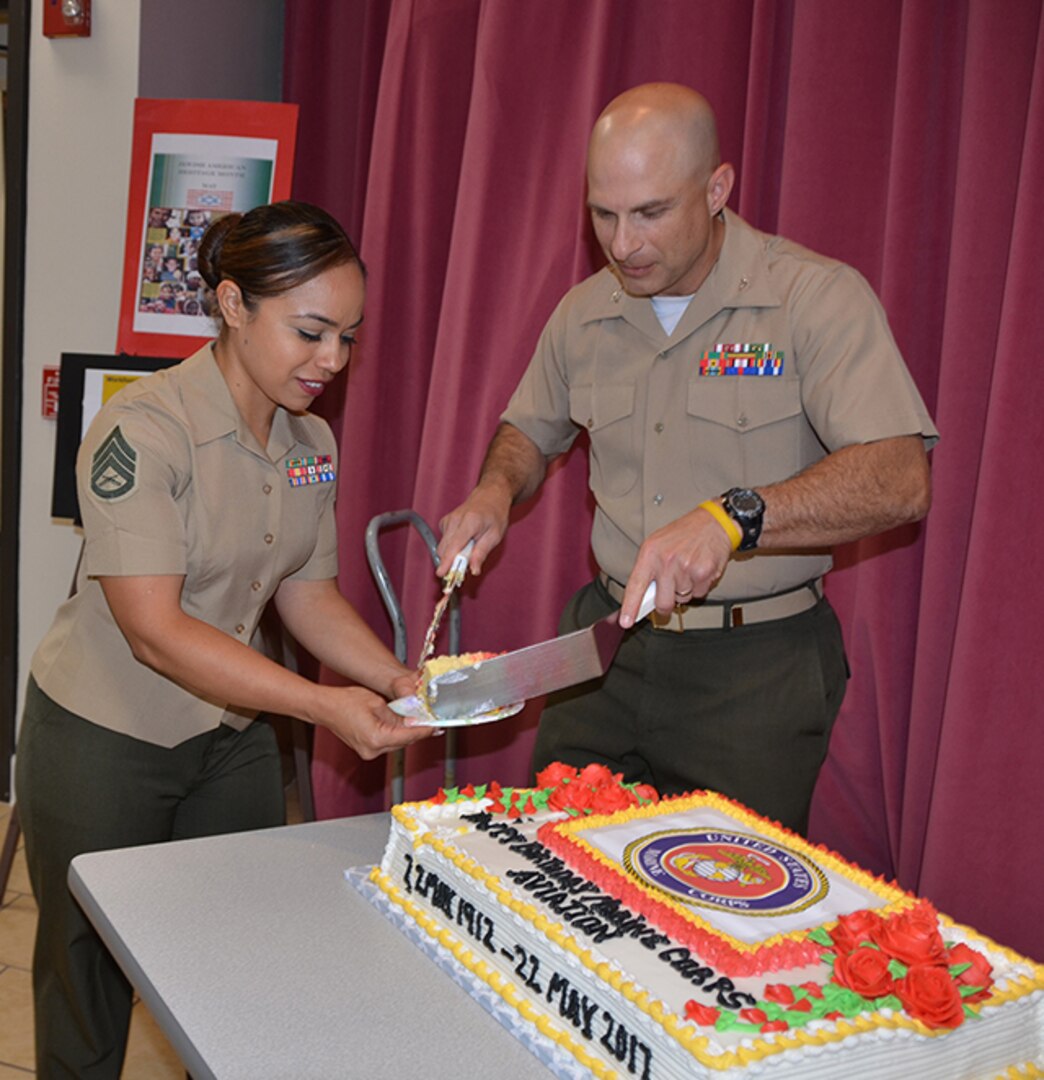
x: 413, y: 712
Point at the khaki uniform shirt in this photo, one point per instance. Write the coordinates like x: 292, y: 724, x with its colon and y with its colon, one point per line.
x: 207, y: 502
x: 782, y: 356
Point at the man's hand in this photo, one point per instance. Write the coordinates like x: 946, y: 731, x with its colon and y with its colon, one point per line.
x: 513, y: 469
x: 685, y: 559
x: 482, y: 517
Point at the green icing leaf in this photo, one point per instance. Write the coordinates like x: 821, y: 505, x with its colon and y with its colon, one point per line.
x: 889, y: 1002
x: 959, y: 969
x: 821, y: 937
x: 730, y: 1022
x: 540, y: 797
x: 451, y: 793
x: 842, y: 1000
x: 967, y: 991
x: 897, y: 969
x: 480, y: 791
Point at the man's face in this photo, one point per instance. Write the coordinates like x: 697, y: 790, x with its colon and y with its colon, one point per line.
x: 652, y: 215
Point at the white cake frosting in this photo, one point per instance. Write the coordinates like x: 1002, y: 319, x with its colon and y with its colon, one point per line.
x: 609, y: 986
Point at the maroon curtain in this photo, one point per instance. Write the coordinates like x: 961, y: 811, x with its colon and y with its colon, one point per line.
x: 905, y: 138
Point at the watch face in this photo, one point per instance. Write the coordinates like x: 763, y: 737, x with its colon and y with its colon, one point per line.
x: 746, y: 503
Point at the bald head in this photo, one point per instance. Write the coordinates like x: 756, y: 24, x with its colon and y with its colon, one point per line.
x: 656, y: 187
x: 662, y: 119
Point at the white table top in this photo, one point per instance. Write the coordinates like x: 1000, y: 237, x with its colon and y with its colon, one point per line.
x: 261, y: 962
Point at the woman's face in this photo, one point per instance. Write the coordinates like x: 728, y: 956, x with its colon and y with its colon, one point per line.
x: 291, y: 346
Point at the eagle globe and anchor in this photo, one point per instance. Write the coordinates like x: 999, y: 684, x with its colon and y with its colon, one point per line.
x: 727, y: 871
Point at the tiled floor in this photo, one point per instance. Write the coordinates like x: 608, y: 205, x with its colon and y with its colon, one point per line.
x: 149, y: 1055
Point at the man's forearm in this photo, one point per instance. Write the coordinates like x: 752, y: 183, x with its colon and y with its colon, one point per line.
x: 854, y: 492
x: 514, y: 463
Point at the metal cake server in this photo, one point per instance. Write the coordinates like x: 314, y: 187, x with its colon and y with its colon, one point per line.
x: 532, y: 671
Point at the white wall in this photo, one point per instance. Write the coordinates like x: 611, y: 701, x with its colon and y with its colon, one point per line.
x: 81, y: 113
x: 81, y: 108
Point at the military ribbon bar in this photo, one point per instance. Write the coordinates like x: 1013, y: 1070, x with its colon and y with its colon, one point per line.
x: 742, y: 359
x: 310, y: 470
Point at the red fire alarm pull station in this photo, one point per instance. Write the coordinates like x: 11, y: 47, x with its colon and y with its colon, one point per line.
x: 67, y: 18
x: 49, y: 402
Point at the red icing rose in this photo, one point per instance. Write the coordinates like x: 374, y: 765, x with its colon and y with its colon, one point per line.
x: 647, y: 793
x: 912, y: 937
x: 979, y: 974
x: 574, y: 796
x: 865, y: 971
x: 853, y: 929
x: 606, y: 800
x: 930, y: 995
x: 775, y: 1025
x: 804, y: 1005
x: 753, y: 1016
x: 780, y: 994
x: 554, y: 774
x: 812, y: 989
x: 596, y: 775
x: 699, y: 1013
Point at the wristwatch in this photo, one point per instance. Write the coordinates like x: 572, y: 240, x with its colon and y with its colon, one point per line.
x: 747, y: 509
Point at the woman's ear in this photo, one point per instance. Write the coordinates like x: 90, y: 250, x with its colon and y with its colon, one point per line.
x: 230, y: 301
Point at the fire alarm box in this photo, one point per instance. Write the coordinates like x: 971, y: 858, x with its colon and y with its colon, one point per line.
x: 67, y: 18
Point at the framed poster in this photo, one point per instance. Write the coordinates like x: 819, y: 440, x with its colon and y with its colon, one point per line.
x: 85, y: 384
x: 191, y: 163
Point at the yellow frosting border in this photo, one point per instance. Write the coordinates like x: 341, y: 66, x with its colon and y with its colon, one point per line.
x: 681, y: 1030
x: 478, y: 967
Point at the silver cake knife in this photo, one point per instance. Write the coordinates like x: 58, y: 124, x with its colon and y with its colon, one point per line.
x: 532, y: 671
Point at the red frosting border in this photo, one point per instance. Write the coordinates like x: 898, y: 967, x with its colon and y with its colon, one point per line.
x: 691, y: 931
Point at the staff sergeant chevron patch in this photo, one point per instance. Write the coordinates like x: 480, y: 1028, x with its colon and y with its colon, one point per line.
x: 112, y: 467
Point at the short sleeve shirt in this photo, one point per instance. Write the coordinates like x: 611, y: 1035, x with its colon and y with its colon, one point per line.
x: 782, y: 357
x: 171, y: 481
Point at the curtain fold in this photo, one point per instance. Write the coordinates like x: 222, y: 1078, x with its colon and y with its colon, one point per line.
x: 902, y: 137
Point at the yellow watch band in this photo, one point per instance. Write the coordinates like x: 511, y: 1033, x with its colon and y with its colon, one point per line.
x: 717, y: 511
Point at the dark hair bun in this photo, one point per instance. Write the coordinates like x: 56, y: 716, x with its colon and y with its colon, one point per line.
x: 209, y: 254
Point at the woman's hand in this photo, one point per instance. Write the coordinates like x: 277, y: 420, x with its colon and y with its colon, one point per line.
x: 362, y: 720
x: 405, y: 685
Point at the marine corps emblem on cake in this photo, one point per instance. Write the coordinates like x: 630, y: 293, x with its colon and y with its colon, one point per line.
x: 727, y: 871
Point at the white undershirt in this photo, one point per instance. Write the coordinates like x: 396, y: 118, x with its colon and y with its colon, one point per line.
x: 669, y: 310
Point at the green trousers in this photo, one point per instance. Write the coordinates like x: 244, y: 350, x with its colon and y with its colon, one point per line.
x: 746, y: 712
x: 82, y: 788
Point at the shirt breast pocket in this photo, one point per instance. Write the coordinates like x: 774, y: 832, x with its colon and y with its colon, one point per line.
x: 748, y: 429
x: 606, y: 412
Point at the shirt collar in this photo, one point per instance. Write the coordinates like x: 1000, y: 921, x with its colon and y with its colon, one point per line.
x: 212, y: 414
x: 738, y: 279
